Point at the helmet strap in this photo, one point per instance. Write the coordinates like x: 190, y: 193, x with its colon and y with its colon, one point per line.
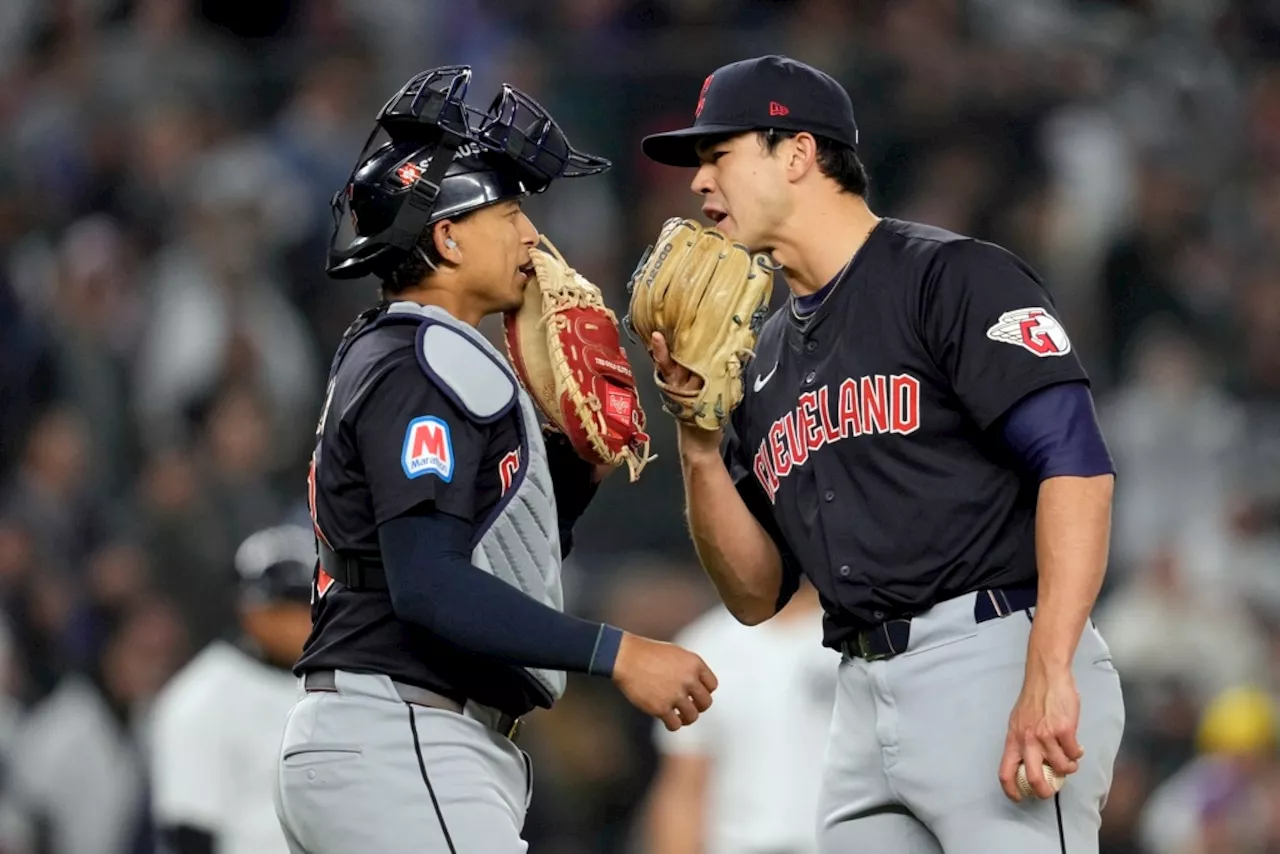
x: 416, y: 210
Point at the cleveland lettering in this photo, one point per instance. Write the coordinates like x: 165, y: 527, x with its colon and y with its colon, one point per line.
x: 872, y: 404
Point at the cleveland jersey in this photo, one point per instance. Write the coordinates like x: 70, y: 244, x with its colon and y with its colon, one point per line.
x: 391, y: 441
x: 864, y: 442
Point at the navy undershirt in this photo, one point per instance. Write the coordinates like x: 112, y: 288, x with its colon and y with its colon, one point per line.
x: 434, y: 584
x: 1054, y: 432
x: 806, y: 305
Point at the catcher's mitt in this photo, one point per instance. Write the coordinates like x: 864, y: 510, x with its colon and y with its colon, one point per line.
x: 708, y: 296
x: 564, y: 345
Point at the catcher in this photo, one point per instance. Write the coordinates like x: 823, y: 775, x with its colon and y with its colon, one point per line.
x: 442, y: 510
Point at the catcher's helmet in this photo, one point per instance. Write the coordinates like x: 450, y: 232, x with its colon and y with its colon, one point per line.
x: 276, y: 565
x: 432, y: 156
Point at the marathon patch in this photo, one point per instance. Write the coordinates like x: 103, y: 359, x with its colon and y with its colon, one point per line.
x: 1033, y: 329
x: 428, y: 449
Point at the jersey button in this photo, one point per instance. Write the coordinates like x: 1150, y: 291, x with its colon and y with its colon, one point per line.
x: 810, y: 377
x: 844, y: 571
x: 810, y: 345
x: 879, y: 615
x: 829, y: 495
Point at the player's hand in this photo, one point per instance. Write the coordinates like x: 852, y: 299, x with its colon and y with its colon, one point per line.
x: 673, y: 374
x: 663, y: 680
x: 1042, y: 729
x: 692, y: 439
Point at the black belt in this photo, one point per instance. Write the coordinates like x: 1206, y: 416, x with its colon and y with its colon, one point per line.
x: 891, y: 637
x: 358, y: 572
x: 504, y: 724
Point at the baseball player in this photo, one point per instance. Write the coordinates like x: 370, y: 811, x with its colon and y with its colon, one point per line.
x: 917, y: 437
x: 215, y: 728
x: 745, y: 779
x: 441, y: 512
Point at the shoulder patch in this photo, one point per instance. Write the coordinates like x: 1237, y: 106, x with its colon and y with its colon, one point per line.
x: 465, y: 373
x: 428, y: 449
x: 1033, y: 329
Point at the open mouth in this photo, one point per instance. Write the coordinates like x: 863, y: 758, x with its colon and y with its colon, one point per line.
x: 526, y: 270
x: 716, y: 215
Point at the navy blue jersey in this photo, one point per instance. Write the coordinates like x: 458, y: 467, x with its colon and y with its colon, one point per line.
x: 390, y: 442
x: 862, y: 443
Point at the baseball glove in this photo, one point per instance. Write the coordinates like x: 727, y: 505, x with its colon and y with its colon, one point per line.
x: 563, y: 343
x: 708, y: 296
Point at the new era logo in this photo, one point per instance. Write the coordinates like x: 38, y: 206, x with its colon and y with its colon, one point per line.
x: 776, y: 109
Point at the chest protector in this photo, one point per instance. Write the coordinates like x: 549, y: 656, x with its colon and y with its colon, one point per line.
x: 519, y: 540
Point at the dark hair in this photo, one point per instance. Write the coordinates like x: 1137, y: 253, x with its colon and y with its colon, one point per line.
x: 835, y: 159
x: 414, y: 268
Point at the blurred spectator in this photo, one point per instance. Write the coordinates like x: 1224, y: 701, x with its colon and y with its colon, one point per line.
x: 95, y: 316
x: 217, y: 312
x: 50, y: 491
x: 745, y: 777
x: 1168, y: 426
x: 216, y: 728
x: 1217, y: 643
x: 25, y: 368
x: 164, y: 51
x: 190, y: 544
x: 1210, y: 805
x: 76, y: 783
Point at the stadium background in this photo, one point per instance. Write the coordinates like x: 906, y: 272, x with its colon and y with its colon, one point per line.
x: 165, y: 322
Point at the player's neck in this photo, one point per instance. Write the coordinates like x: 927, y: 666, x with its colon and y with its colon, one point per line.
x: 818, y: 242
x: 456, y: 302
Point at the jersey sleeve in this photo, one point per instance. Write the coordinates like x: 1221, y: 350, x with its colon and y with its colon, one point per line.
x: 993, y: 330
x: 417, y: 446
x: 189, y: 770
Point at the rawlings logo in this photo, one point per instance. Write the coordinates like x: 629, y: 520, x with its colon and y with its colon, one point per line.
x: 618, y: 404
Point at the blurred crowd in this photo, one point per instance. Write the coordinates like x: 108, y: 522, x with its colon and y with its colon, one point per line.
x: 166, y: 325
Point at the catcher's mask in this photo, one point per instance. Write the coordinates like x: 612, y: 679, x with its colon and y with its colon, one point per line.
x: 431, y: 156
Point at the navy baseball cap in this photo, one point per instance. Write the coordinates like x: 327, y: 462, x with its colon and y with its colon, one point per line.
x: 756, y: 94
x: 275, y: 565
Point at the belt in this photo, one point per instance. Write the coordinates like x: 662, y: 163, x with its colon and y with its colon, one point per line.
x: 358, y: 572
x: 890, y: 638
x: 505, y: 725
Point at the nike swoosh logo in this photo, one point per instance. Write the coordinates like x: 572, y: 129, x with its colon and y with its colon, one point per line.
x: 762, y: 381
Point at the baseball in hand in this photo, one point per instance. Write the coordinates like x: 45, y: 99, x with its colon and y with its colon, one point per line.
x: 1049, y: 774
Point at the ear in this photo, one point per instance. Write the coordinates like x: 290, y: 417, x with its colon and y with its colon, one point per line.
x: 803, y: 156
x: 445, y: 242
